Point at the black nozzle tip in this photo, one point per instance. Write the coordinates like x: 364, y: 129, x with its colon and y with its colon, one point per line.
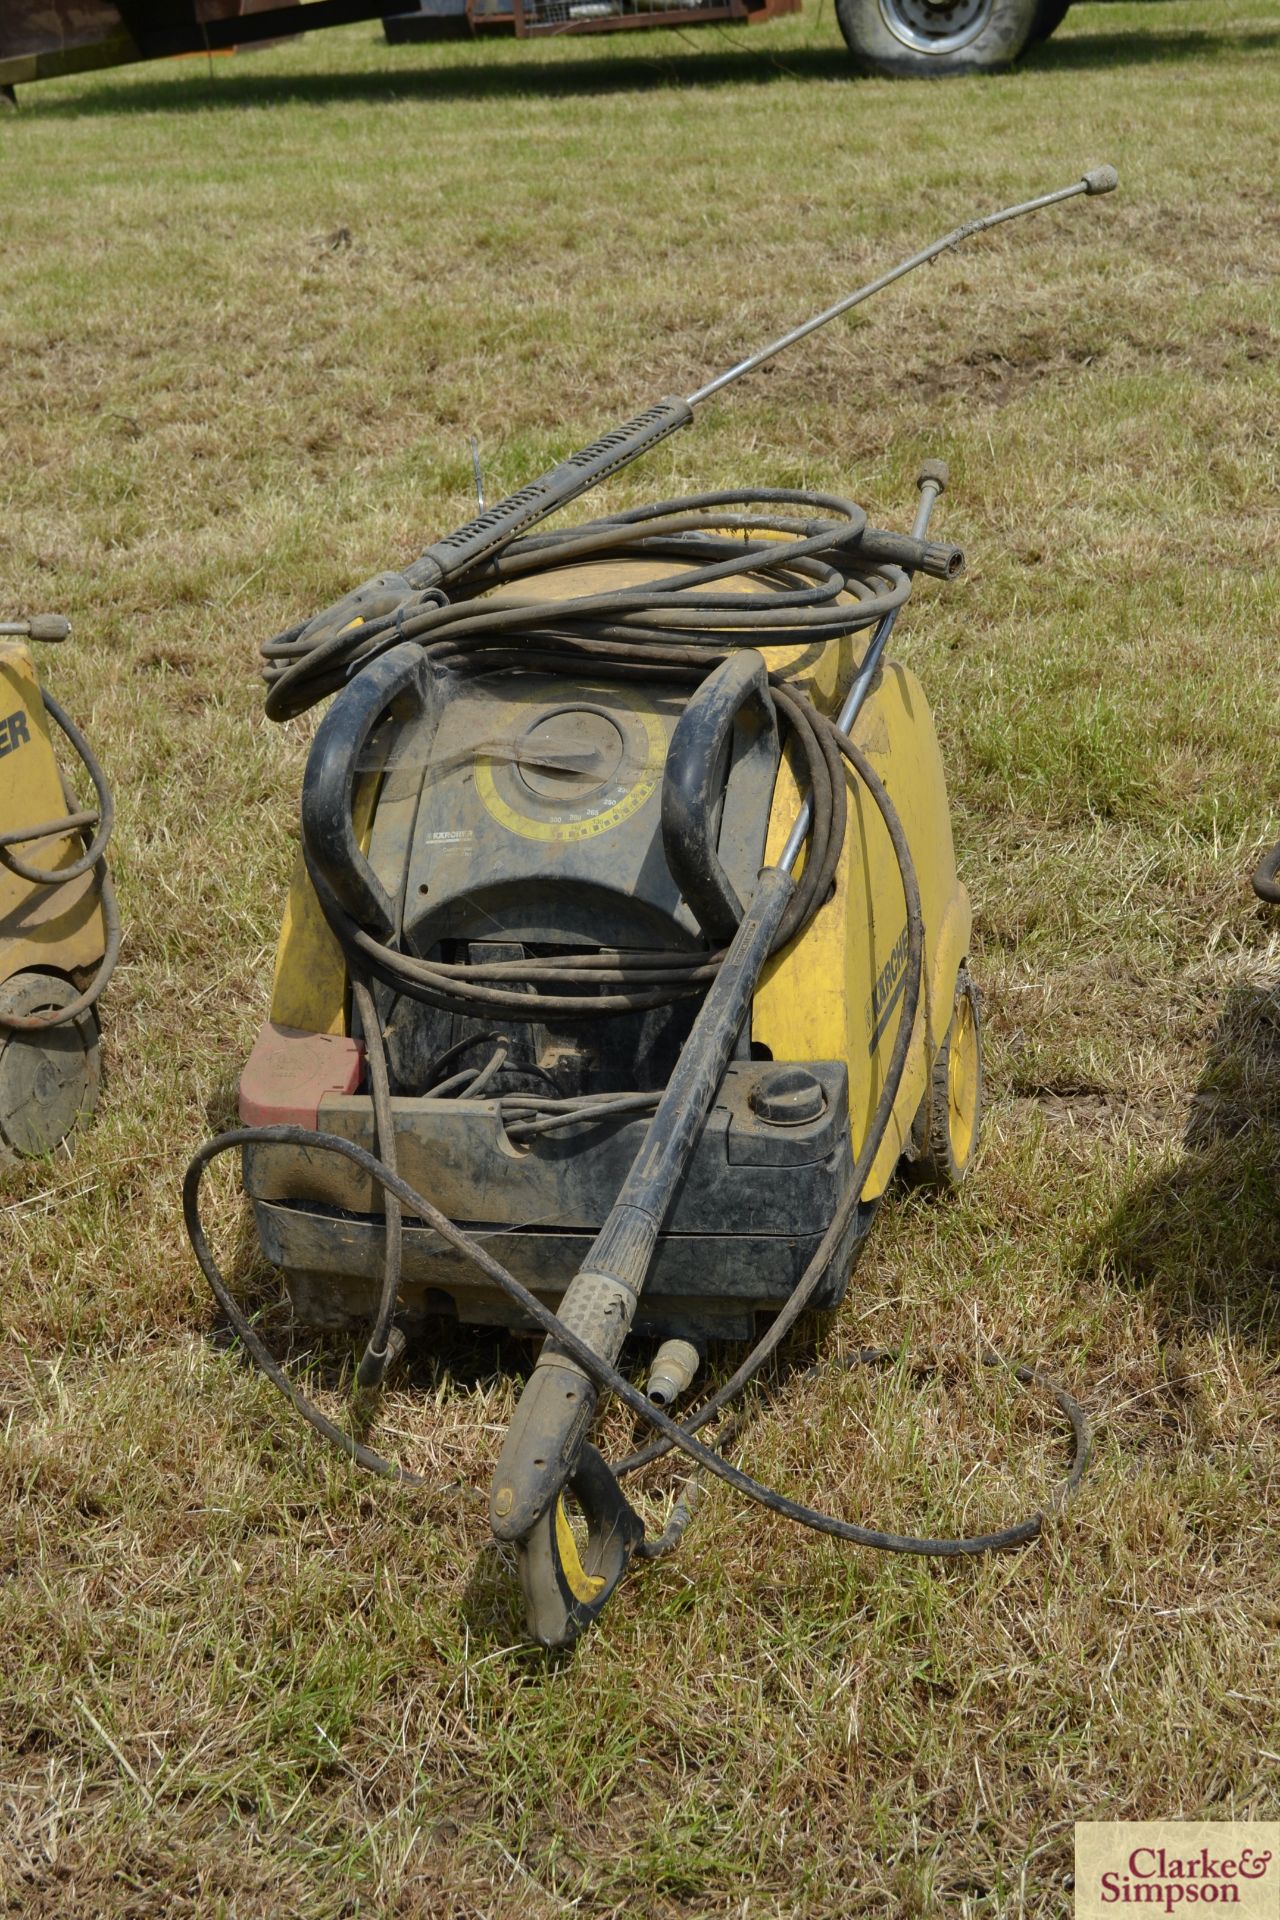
x: 375, y: 1366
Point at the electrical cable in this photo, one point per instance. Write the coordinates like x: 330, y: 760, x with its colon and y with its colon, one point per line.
x: 604, y: 1376
x: 103, y: 820
x: 447, y: 1058
x: 377, y: 1353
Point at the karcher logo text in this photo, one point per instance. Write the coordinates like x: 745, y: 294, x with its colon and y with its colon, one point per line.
x: 13, y: 733
x: 884, y: 994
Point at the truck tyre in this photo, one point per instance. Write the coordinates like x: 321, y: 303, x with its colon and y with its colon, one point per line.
x: 1050, y: 15
x: 929, y: 39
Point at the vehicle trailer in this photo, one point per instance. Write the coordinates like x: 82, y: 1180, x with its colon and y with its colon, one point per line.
x: 924, y: 38
x: 41, y: 39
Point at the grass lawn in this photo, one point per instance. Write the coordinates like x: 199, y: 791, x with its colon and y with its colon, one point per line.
x: 250, y: 312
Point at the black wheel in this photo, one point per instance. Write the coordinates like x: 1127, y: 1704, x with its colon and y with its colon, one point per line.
x: 1050, y: 15
x: 933, y: 38
x: 944, y: 1134
x: 48, y: 1080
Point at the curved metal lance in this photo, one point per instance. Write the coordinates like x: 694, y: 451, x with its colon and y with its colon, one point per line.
x: 308, y: 661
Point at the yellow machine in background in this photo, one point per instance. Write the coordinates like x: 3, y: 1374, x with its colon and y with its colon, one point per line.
x: 59, y: 930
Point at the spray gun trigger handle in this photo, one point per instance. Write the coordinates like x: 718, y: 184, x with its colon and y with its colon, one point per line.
x: 565, y: 1588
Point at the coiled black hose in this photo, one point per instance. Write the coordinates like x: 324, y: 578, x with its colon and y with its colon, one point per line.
x: 605, y: 1377
x: 826, y: 580
x: 820, y: 582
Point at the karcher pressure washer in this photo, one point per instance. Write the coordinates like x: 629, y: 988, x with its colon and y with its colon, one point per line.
x: 627, y: 935
x: 59, y: 929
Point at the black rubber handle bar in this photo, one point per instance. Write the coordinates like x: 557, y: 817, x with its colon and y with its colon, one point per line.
x: 333, y: 767
x: 458, y: 553
x: 696, y: 769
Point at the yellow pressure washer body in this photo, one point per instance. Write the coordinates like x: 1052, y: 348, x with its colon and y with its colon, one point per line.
x: 58, y: 928
x: 529, y: 816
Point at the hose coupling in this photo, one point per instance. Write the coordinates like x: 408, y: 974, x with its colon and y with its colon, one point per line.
x: 671, y: 1374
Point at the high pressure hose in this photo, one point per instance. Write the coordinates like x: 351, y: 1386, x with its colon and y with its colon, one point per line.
x: 831, y: 559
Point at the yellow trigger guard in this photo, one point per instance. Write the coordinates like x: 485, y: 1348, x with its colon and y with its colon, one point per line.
x: 566, y: 1590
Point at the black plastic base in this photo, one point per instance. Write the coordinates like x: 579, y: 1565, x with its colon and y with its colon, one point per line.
x: 701, y: 1287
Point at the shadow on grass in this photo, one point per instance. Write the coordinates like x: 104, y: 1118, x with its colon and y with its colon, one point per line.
x: 469, y: 1358
x: 193, y: 91
x: 1086, y: 51
x: 1203, y: 1240
x: 492, y: 1608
